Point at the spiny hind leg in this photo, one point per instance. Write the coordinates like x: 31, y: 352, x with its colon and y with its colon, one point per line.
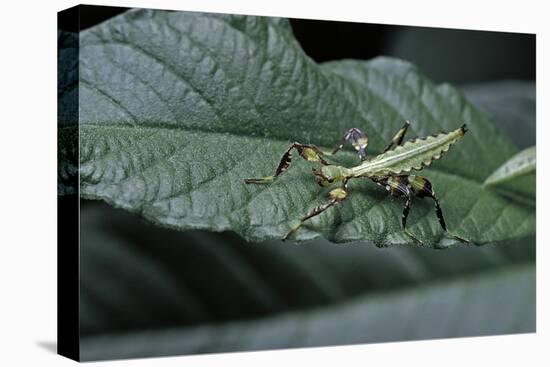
x: 441, y: 220
x: 399, y: 186
x: 357, y: 138
x: 422, y: 187
x: 335, y: 196
x: 404, y: 217
x: 398, y: 137
x: 409, y: 186
x: 308, y: 152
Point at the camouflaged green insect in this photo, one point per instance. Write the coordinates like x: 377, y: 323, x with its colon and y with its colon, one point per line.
x: 390, y: 169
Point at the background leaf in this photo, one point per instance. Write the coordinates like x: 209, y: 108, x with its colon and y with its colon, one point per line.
x: 149, y: 291
x: 389, y: 319
x: 511, y: 104
x: 465, y: 56
x: 521, y: 164
x: 178, y: 108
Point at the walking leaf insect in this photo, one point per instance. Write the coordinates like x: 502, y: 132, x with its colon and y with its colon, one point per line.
x: 390, y: 169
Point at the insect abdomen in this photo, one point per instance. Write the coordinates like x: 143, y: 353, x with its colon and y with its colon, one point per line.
x: 412, y: 155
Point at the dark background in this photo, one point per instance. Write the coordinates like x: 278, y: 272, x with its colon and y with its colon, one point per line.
x: 463, y: 56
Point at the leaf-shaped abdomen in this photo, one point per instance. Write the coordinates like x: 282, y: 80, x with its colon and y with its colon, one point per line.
x: 413, y: 154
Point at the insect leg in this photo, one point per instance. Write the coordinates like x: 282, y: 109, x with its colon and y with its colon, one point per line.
x: 439, y: 214
x: 357, y: 138
x: 335, y: 196
x: 423, y: 188
x: 404, y: 219
x: 398, y: 137
x: 308, y: 152
x: 400, y: 186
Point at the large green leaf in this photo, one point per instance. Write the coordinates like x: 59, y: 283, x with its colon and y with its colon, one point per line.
x: 176, y: 109
x: 149, y: 291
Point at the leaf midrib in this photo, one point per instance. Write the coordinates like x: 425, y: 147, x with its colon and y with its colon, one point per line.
x: 163, y: 126
x: 257, y: 192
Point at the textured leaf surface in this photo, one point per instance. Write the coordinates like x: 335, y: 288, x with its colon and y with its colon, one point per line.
x: 149, y: 291
x: 176, y: 109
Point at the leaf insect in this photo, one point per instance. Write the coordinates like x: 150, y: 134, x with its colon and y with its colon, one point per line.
x: 390, y: 169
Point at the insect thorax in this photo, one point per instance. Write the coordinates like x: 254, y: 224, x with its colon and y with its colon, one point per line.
x: 325, y: 175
